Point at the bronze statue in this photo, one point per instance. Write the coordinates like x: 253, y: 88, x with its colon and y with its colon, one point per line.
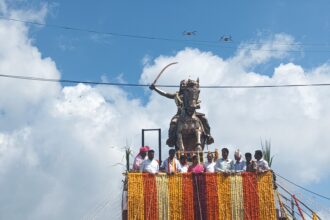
x: 178, y: 98
x: 189, y: 130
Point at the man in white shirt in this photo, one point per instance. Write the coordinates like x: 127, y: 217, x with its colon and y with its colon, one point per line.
x: 239, y: 165
x: 224, y: 164
x: 262, y: 165
x: 171, y: 164
x: 183, y: 164
x: 150, y: 165
x: 209, y: 165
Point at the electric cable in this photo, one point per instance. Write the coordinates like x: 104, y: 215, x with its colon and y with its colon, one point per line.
x: 297, y: 200
x: 148, y: 37
x: 168, y: 86
x: 307, y: 190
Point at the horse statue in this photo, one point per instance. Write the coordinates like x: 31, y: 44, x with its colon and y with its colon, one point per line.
x: 193, y: 131
x: 189, y: 130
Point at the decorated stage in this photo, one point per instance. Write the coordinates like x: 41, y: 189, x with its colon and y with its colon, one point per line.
x: 201, y: 196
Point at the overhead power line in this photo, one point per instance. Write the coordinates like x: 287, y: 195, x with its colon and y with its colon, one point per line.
x: 71, y: 81
x: 148, y: 37
x: 308, y: 208
x: 169, y: 86
x: 303, y: 188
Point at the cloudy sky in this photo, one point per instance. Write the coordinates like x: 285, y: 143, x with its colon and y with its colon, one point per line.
x: 62, y: 145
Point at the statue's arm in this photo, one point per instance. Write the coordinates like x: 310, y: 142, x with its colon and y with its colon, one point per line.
x: 161, y: 92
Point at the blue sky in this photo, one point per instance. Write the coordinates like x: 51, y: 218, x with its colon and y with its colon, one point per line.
x: 245, y: 21
x: 276, y: 42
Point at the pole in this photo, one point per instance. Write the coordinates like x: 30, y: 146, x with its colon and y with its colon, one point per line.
x: 292, y: 209
x: 160, y: 145
x: 299, y: 209
x: 142, y: 137
x: 159, y: 141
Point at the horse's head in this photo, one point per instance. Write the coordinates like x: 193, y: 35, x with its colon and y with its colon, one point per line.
x: 190, y: 96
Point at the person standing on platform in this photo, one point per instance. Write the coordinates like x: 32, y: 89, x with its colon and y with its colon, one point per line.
x: 183, y: 164
x: 262, y: 165
x: 140, y: 158
x: 196, y: 167
x: 251, y: 165
x: 150, y: 165
x: 209, y: 165
x: 171, y: 164
x: 224, y: 164
x: 239, y: 165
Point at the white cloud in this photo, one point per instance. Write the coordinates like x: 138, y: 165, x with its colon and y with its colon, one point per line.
x: 31, y: 15
x: 324, y: 214
x: 254, y: 53
x: 296, y: 119
x: 56, y: 154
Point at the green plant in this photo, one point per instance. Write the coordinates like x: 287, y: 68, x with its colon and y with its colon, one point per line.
x: 266, y: 151
x: 128, y: 153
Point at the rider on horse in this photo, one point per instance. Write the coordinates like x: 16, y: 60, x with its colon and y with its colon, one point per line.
x: 178, y: 98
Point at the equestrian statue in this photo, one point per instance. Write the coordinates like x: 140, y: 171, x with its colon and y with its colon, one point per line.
x: 189, y: 130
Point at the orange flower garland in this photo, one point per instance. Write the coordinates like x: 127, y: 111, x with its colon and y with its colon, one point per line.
x: 251, y: 197
x: 212, y: 196
x: 199, y: 195
x: 238, y: 196
x: 150, y: 197
x: 266, y: 196
x: 187, y: 196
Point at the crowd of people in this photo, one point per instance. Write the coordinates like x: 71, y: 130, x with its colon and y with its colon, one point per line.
x: 146, y: 163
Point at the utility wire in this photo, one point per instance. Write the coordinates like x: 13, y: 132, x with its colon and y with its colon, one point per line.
x: 287, y: 208
x: 312, y: 201
x: 148, y: 37
x: 168, y: 86
x: 307, y: 190
x: 302, y: 203
x: 308, y: 208
x: 99, y: 32
x: 309, y: 215
x: 72, y: 81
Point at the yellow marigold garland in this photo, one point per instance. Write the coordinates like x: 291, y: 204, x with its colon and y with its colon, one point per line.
x: 135, y: 196
x: 162, y: 196
x: 224, y: 197
x: 266, y: 196
x: 237, y: 205
x: 283, y: 210
x: 175, y: 196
